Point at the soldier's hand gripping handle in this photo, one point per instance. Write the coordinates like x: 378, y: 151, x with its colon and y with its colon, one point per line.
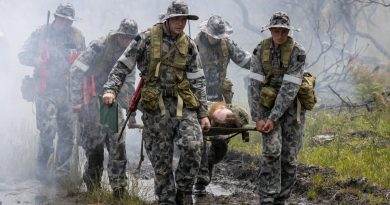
x: 108, y: 98
x: 205, y: 124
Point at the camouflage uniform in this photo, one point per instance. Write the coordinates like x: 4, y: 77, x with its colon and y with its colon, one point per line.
x: 282, y: 144
x: 215, y: 58
x: 163, y: 130
x: 53, y: 112
x: 94, y: 65
x: 214, y: 152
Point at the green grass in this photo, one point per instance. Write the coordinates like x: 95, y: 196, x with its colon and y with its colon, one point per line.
x: 351, y: 153
x: 252, y: 147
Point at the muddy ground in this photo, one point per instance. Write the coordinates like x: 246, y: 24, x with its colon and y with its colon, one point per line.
x: 234, y: 182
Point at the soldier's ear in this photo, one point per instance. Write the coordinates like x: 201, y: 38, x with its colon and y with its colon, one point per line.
x: 301, y: 58
x: 190, y: 51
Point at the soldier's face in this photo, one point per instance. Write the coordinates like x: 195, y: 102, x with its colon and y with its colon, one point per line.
x: 62, y: 23
x: 279, y: 35
x: 176, y: 25
x: 212, y: 40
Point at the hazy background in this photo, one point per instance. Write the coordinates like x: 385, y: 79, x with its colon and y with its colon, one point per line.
x: 19, y: 18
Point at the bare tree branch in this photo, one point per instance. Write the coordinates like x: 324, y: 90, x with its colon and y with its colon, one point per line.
x: 246, y: 22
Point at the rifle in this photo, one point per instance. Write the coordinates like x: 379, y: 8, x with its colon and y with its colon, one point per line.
x: 43, y: 71
x: 132, y: 106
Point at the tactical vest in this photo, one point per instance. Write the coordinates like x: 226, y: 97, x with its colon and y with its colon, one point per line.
x: 152, y: 94
x: 105, y: 62
x: 223, y: 53
x: 274, y: 76
x: 224, y: 85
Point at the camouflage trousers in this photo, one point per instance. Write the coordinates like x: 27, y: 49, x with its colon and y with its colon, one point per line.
x: 54, y: 116
x: 160, y: 135
x: 213, y: 152
x: 94, y: 136
x: 278, y: 164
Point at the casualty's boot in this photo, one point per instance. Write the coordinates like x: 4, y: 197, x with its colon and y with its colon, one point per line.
x: 183, y: 198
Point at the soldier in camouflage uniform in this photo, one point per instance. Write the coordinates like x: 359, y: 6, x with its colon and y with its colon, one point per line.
x: 88, y: 75
x: 277, y: 68
x: 173, y: 101
x: 216, y: 50
x: 51, y: 49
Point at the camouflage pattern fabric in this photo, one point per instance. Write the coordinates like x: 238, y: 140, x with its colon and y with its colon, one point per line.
x: 282, y: 144
x: 53, y: 113
x: 161, y: 133
x: 160, y: 136
x: 215, y: 66
x: 213, y: 152
x: 94, y: 136
x: 96, y: 62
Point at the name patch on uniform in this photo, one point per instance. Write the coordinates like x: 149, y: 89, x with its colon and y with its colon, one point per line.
x: 301, y: 58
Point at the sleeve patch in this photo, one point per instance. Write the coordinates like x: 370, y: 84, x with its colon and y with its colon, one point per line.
x: 301, y: 58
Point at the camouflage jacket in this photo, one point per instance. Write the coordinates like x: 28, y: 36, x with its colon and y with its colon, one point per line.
x: 138, y: 53
x: 287, y: 85
x: 60, y: 46
x: 96, y: 62
x: 215, y: 64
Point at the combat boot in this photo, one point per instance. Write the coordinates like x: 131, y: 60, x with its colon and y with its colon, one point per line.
x: 183, y: 198
x: 119, y: 193
x: 200, y: 190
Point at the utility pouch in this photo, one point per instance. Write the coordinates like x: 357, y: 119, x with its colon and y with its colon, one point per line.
x: 29, y: 88
x: 268, y: 96
x: 306, y: 94
x: 189, y: 98
x: 227, y: 91
x: 149, y: 98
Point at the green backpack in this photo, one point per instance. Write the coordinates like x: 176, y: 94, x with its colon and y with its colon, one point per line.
x: 306, y: 94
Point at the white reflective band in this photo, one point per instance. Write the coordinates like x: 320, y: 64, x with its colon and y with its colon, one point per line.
x: 292, y: 79
x: 246, y: 60
x: 126, y: 61
x: 196, y: 75
x: 256, y: 76
x: 80, y: 65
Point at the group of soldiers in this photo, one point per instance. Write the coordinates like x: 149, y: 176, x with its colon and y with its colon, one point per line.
x: 185, y: 92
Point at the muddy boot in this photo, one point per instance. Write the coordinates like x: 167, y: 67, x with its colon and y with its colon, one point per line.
x: 200, y: 190
x: 279, y: 202
x: 183, y: 198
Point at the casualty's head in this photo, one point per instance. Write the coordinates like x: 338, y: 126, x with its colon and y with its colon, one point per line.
x: 221, y: 116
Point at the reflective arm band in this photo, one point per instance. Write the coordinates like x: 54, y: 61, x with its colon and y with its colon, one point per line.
x: 292, y: 79
x: 80, y: 65
x: 246, y: 59
x: 126, y: 61
x: 256, y: 76
x: 195, y: 75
